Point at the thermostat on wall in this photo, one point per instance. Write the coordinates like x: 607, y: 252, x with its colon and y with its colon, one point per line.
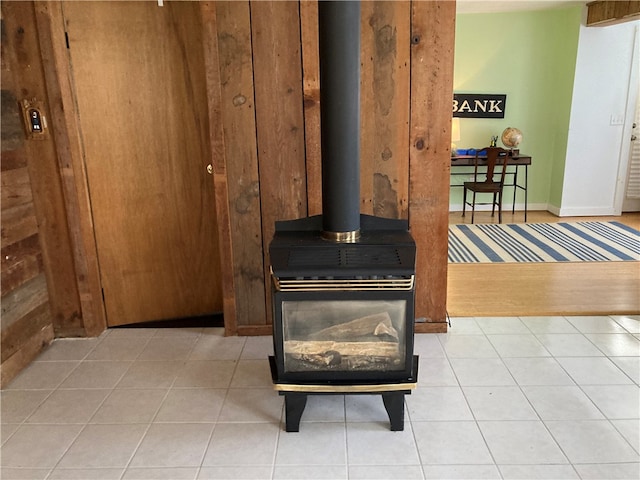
x: 35, y: 121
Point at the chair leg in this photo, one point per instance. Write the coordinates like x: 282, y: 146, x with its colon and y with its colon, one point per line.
x: 500, y: 207
x: 493, y: 205
x: 473, y: 207
x: 464, y: 200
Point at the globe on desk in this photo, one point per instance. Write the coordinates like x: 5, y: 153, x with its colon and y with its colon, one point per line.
x: 511, y: 137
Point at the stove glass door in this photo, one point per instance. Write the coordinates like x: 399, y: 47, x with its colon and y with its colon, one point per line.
x: 344, y: 335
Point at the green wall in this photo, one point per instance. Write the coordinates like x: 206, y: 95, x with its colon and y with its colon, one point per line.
x: 530, y: 57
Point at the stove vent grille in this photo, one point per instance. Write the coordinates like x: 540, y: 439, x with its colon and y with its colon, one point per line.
x: 321, y: 284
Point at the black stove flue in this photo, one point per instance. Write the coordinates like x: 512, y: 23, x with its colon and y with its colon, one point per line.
x: 343, y: 284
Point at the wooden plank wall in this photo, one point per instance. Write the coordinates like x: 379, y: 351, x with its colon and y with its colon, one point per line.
x: 26, y: 321
x: 266, y: 64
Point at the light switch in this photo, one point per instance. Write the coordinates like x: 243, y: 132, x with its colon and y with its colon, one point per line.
x: 616, y: 120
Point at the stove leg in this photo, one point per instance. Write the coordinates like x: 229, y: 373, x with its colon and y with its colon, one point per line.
x: 294, y: 404
x: 394, y: 404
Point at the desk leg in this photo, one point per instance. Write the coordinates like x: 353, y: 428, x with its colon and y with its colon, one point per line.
x: 526, y: 190
x: 515, y: 190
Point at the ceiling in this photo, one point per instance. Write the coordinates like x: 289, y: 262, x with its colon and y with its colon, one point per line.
x: 493, y: 6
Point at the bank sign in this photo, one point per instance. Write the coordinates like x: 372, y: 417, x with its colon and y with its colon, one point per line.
x: 477, y: 105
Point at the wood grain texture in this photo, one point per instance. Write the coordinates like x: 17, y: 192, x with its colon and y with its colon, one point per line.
x: 275, y: 28
x: 146, y: 135
x: 385, y: 56
x: 311, y: 92
x: 22, y: 47
x: 433, y: 38
x: 219, y: 162
x: 240, y: 157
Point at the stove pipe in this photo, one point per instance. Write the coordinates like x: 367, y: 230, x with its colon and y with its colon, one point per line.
x: 339, y: 48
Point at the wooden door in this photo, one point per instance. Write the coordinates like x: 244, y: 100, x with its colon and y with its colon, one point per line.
x: 138, y: 72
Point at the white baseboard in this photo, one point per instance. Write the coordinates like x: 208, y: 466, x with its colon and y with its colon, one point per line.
x: 586, y: 211
x: 505, y: 207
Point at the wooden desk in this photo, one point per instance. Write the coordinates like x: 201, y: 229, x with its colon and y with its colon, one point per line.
x: 515, y: 162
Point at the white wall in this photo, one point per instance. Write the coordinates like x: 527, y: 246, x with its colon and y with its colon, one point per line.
x: 598, y: 119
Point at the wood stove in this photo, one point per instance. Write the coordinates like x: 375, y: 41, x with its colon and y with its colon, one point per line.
x: 342, y: 283
x: 343, y: 314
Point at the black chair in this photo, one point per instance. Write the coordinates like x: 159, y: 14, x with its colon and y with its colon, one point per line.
x: 490, y: 180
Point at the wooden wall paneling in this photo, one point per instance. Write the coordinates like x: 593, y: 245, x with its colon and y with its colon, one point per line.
x: 279, y: 116
x: 219, y: 163
x: 70, y: 159
x: 604, y: 13
x: 48, y: 199
x: 384, y: 158
x: 26, y: 322
x: 311, y: 92
x: 238, y: 164
x: 432, y: 53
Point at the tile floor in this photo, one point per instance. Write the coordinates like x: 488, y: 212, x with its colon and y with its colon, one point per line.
x: 545, y: 397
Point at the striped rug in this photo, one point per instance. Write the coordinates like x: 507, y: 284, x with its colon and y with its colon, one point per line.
x: 543, y: 242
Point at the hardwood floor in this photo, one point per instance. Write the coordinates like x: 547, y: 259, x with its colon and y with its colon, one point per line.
x: 598, y: 288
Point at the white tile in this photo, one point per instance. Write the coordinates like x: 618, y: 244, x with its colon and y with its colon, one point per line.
x: 17, y: 405
x: 521, y: 442
x: 8, y: 473
x: 437, y: 403
x: 467, y: 346
x: 42, y: 375
x: 252, y: 405
x: 86, y: 474
x: 103, y: 446
x: 372, y: 444
x: 150, y: 374
x: 616, y: 344
x: 451, y: 443
x: 310, y: 472
x: 464, y: 326
x: 619, y: 471
x: 538, y: 472
x: 257, y: 348
x: 499, y: 403
x: 462, y: 472
x: 38, y: 446
x: 68, y: 349
x: 130, y: 406
x: 173, y: 445
x: 591, y: 441
x: 630, y: 430
x: 548, y: 325
x: 131, y: 332
x: 631, y: 323
x: 252, y: 373
x: 239, y: 472
x: 365, y: 408
x: 242, y: 444
x: 324, y: 408
x: 502, y: 325
x: 118, y: 348
x: 561, y: 403
x: 191, y: 405
x: 630, y: 366
x: 537, y: 371
x: 69, y: 406
x: 595, y: 324
x: 6, y: 430
x: 436, y: 371
x: 593, y: 371
x: 518, y: 346
x: 215, y: 346
x: 385, y: 472
x: 569, y: 345
x: 481, y: 371
x: 427, y: 345
x: 314, y: 444
x: 206, y: 373
x: 616, y: 401
x: 176, y: 473
x: 167, y: 348
x: 96, y: 374
x: 182, y: 331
